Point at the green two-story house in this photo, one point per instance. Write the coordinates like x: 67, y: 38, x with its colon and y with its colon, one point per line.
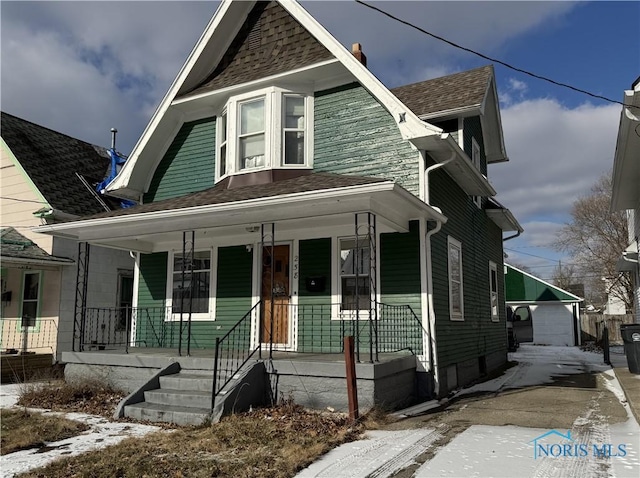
x: 285, y: 191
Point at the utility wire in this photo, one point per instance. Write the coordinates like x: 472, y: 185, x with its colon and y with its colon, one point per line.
x: 494, y: 60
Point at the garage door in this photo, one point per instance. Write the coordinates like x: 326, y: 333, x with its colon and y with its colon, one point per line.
x: 552, y: 324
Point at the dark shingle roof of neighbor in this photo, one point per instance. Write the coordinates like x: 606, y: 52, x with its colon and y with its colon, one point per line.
x: 52, y: 159
x: 219, y: 195
x: 14, y: 245
x: 459, y: 90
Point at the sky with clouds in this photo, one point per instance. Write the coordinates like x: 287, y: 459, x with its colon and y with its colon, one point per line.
x: 84, y: 67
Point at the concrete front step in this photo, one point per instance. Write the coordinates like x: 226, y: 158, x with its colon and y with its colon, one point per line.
x: 156, y: 412
x: 187, y: 381
x: 179, y: 398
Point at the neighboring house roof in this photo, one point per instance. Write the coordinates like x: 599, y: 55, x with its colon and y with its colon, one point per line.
x: 452, y: 92
x: 522, y: 287
x: 202, y: 70
x: 626, y: 165
x: 14, y: 247
x: 62, y: 168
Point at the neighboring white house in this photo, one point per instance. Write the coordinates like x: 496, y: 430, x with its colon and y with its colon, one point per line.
x: 626, y: 184
x: 49, y: 177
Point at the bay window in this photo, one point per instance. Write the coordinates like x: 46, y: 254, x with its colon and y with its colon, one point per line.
x: 267, y: 129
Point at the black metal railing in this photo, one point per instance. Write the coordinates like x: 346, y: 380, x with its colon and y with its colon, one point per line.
x: 233, y: 350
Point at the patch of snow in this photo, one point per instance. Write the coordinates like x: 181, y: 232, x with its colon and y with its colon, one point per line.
x: 380, y: 455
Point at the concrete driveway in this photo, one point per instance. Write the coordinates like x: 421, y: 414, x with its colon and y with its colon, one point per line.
x: 559, y: 412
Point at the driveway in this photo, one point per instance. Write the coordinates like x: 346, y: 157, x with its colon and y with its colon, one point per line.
x: 559, y: 412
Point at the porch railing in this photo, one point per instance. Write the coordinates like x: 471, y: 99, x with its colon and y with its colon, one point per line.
x: 17, y: 335
x: 233, y: 350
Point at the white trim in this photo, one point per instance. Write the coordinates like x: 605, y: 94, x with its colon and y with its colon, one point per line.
x: 232, y: 14
x: 456, y: 244
x: 295, y: 290
x: 135, y: 299
x: 424, y: 294
x: 495, y: 317
x: 213, y: 275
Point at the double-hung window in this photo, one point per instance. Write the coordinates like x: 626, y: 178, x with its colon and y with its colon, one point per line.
x: 355, y: 287
x: 30, y: 298
x: 493, y: 285
x: 196, y: 283
x: 251, y: 134
x: 456, y: 295
x: 267, y: 129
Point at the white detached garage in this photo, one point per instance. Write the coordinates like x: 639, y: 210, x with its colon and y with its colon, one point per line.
x: 555, y: 313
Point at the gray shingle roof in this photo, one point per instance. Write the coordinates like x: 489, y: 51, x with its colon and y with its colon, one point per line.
x: 52, y: 159
x: 459, y: 90
x: 270, y: 41
x: 14, y: 245
x: 220, y: 195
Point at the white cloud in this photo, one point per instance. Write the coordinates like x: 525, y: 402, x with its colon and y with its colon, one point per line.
x: 556, y: 154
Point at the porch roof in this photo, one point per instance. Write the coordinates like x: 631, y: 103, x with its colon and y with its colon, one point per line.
x: 312, y: 196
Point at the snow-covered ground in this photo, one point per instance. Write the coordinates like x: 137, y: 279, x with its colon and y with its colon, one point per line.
x: 504, y: 451
x: 101, y: 434
x: 479, y: 451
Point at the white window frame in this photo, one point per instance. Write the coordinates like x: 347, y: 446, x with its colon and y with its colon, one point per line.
x: 37, y: 300
x: 221, y: 142
x: 338, y: 313
x: 213, y: 277
x: 454, y: 243
x: 273, y: 131
x: 475, y: 159
x: 493, y: 294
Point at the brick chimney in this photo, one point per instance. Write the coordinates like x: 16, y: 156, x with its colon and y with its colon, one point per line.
x: 356, y: 50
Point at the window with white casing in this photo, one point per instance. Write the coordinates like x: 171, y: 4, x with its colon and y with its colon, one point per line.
x: 267, y: 129
x: 456, y: 295
x: 30, y: 298
x: 493, y: 286
x: 354, y: 283
x: 196, y: 283
x: 475, y: 159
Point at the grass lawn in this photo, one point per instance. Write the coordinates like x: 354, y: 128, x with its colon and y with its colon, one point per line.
x: 21, y: 429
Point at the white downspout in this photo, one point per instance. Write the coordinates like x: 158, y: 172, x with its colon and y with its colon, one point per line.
x: 427, y: 193
x: 134, y: 300
x: 433, y: 356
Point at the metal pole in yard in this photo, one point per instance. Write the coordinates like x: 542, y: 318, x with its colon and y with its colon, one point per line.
x: 352, y: 387
x: 605, y: 344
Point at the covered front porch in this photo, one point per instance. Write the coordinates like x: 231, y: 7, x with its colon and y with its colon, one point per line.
x: 288, y: 267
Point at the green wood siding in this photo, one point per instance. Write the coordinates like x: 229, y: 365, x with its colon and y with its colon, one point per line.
x: 481, y: 242
x: 399, y: 327
x: 400, y: 268
x: 188, y: 165
x: 315, y: 326
x: 355, y: 135
x: 151, y: 328
x: 233, y: 294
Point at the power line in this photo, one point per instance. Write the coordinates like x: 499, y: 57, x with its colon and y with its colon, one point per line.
x: 529, y: 254
x: 494, y: 60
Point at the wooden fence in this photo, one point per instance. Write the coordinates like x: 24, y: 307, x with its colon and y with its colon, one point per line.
x: 592, y: 325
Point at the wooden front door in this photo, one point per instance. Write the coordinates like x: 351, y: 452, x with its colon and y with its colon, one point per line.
x: 275, y: 319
